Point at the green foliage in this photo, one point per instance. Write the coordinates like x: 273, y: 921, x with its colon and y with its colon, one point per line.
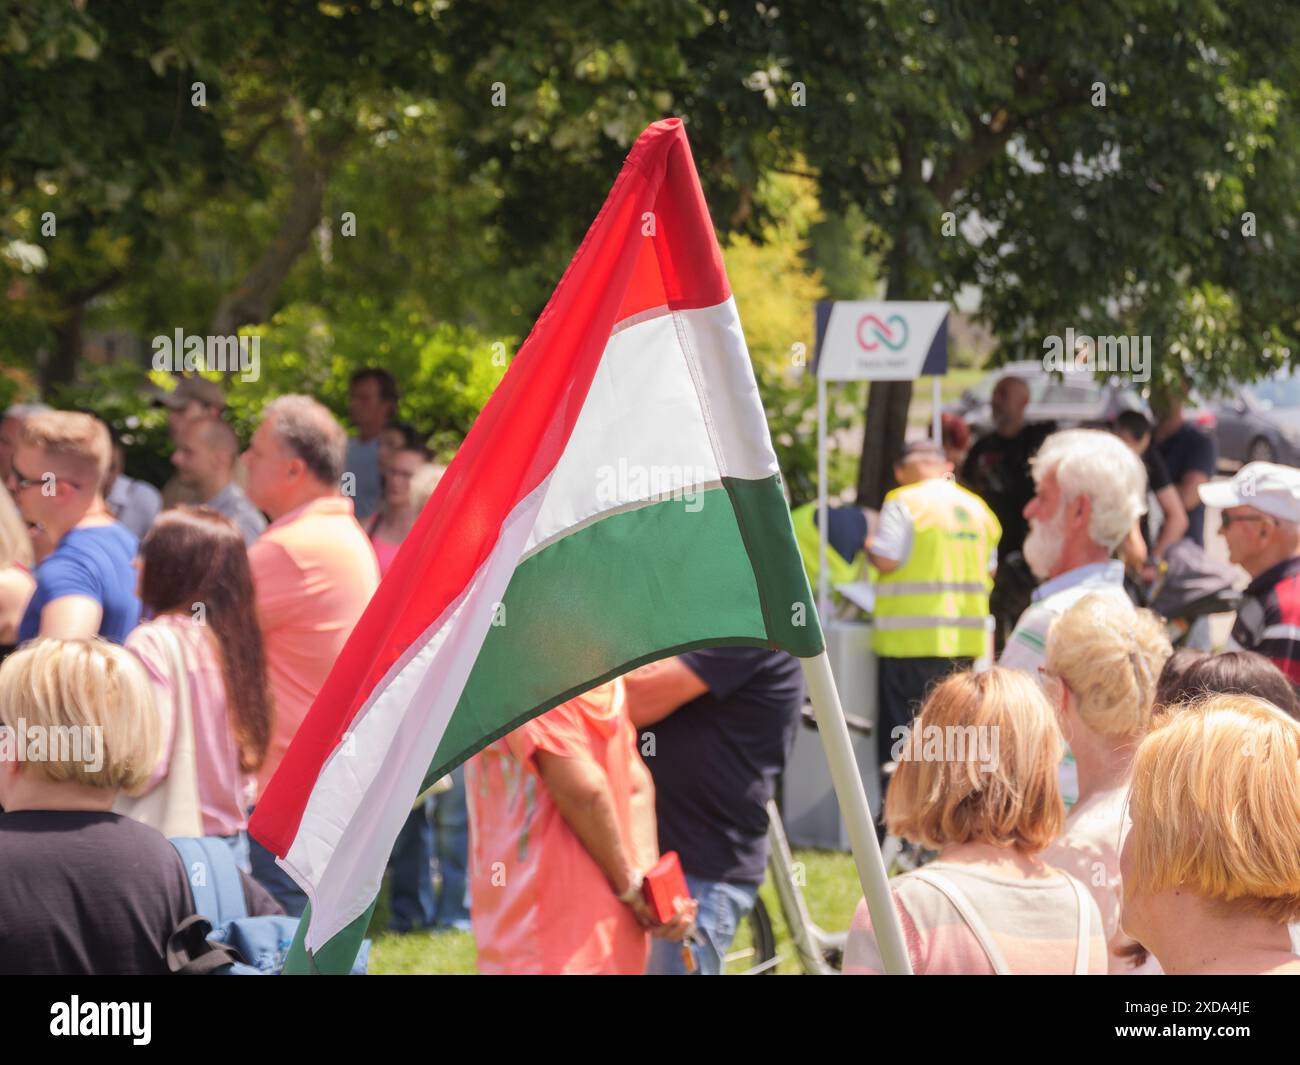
x: 446, y: 373
x: 120, y: 395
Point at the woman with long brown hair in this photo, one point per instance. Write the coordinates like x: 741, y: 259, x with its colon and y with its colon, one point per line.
x: 202, y: 647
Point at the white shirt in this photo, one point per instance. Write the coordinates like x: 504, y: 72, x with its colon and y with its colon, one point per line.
x: 1026, y: 647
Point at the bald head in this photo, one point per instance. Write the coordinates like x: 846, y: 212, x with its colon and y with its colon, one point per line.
x: 1010, y: 398
x: 205, y: 455
x: 921, y: 461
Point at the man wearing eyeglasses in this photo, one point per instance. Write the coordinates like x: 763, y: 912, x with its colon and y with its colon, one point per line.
x: 1261, y: 525
x: 85, y: 584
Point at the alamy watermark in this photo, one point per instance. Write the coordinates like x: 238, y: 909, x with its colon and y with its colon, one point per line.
x: 192, y: 354
x: 1080, y: 353
x: 946, y: 743
x: 630, y: 481
x: 53, y: 743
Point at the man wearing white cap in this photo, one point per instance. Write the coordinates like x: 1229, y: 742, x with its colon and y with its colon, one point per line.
x: 1261, y: 525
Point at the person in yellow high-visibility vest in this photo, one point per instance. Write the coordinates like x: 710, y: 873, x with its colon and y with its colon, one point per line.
x: 849, y: 527
x: 935, y: 549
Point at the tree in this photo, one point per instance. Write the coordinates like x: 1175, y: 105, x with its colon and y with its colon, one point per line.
x: 1093, y: 163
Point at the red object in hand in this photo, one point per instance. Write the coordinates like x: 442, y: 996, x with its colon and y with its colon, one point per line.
x: 664, y: 883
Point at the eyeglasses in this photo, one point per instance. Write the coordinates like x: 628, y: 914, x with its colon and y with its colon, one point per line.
x: 1227, y: 520
x: 22, y: 482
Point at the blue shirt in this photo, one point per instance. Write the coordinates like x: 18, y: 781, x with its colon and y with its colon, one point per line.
x: 363, y: 463
x: 94, y: 562
x: 1189, y: 449
x: 716, y: 760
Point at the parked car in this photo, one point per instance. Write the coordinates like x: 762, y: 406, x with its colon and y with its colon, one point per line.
x: 1259, y: 422
x: 1069, y: 400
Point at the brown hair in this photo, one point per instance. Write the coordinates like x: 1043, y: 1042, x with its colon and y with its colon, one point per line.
x: 1012, y: 799
x: 79, y: 441
x: 1230, y: 673
x: 1170, y: 685
x: 195, y: 555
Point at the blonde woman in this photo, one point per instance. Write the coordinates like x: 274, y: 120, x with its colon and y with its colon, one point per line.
x: 1211, y: 867
x: 86, y: 891
x: 16, y: 580
x: 1103, y: 664
x: 977, y: 781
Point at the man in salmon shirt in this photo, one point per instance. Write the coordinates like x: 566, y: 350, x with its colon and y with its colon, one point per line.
x: 313, y: 570
x: 561, y: 830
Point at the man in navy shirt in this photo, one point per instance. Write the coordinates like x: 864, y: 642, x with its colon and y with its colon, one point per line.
x: 1191, y: 458
x: 85, y: 583
x: 717, y: 726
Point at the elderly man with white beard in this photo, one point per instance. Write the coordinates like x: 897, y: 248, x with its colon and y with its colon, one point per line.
x: 1090, y: 489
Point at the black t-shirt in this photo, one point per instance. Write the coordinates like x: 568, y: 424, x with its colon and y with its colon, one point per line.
x: 1157, y: 479
x: 87, y: 893
x: 997, y: 470
x: 716, y: 760
x: 1188, y: 449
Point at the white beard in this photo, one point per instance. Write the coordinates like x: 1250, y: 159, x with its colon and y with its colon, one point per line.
x: 1043, y: 545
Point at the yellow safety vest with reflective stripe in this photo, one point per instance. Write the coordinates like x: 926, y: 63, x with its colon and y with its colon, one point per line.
x: 805, y: 535
x: 936, y: 604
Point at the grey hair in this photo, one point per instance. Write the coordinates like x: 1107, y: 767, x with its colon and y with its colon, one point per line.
x: 1102, y: 467
x: 22, y: 411
x: 310, y: 432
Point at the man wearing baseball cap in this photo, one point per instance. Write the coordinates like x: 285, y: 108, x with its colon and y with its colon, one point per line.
x: 1261, y: 525
x: 190, y: 402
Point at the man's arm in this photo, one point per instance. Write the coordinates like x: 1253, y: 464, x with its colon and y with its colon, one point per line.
x: 641, y: 806
x: 1187, y: 489
x: 1175, y: 524
x: 891, y: 546
x: 582, y: 794
x: 656, y: 690
x: 1204, y: 463
x: 71, y: 617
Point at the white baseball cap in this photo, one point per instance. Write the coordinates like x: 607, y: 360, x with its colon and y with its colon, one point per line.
x: 1266, y: 486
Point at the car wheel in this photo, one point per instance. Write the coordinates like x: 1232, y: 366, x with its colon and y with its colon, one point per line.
x: 1261, y: 451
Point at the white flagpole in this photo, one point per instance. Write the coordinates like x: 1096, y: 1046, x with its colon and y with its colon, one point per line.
x: 857, y: 814
x: 823, y: 526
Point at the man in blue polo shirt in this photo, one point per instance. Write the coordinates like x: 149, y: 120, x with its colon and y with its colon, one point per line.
x: 85, y: 583
x: 716, y: 728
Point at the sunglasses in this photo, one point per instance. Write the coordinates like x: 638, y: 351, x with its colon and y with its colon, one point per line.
x: 1226, y: 521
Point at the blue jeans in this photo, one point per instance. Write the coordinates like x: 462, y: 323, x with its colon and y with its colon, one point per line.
x: 439, y: 829
x: 283, y: 888
x: 722, y: 907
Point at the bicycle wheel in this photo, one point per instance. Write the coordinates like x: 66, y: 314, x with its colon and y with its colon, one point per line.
x: 762, y: 937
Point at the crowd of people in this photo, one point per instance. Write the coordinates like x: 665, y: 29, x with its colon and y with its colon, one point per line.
x: 1120, y: 792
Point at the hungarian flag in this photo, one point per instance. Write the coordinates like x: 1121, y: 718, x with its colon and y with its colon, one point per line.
x: 616, y: 502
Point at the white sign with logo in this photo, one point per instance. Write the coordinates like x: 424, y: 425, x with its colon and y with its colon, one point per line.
x: 899, y: 340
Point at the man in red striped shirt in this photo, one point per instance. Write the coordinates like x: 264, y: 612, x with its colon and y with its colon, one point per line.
x: 1261, y: 526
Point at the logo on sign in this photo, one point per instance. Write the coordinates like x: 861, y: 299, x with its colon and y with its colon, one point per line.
x: 872, y: 332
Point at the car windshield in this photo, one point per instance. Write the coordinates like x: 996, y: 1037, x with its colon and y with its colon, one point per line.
x: 1277, y: 392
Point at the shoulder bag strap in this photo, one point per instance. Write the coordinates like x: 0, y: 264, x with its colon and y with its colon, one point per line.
x: 1085, y: 927
x: 962, y: 904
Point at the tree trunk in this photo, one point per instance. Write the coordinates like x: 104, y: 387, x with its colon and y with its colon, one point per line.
x: 60, y: 365
x: 253, y: 299
x: 888, y: 403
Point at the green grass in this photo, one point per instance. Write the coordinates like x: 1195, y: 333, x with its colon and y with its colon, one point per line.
x: 831, y: 890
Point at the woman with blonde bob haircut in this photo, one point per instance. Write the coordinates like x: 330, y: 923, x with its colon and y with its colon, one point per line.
x: 1211, y: 868
x: 87, y: 891
x: 977, y: 781
x: 1102, y: 670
